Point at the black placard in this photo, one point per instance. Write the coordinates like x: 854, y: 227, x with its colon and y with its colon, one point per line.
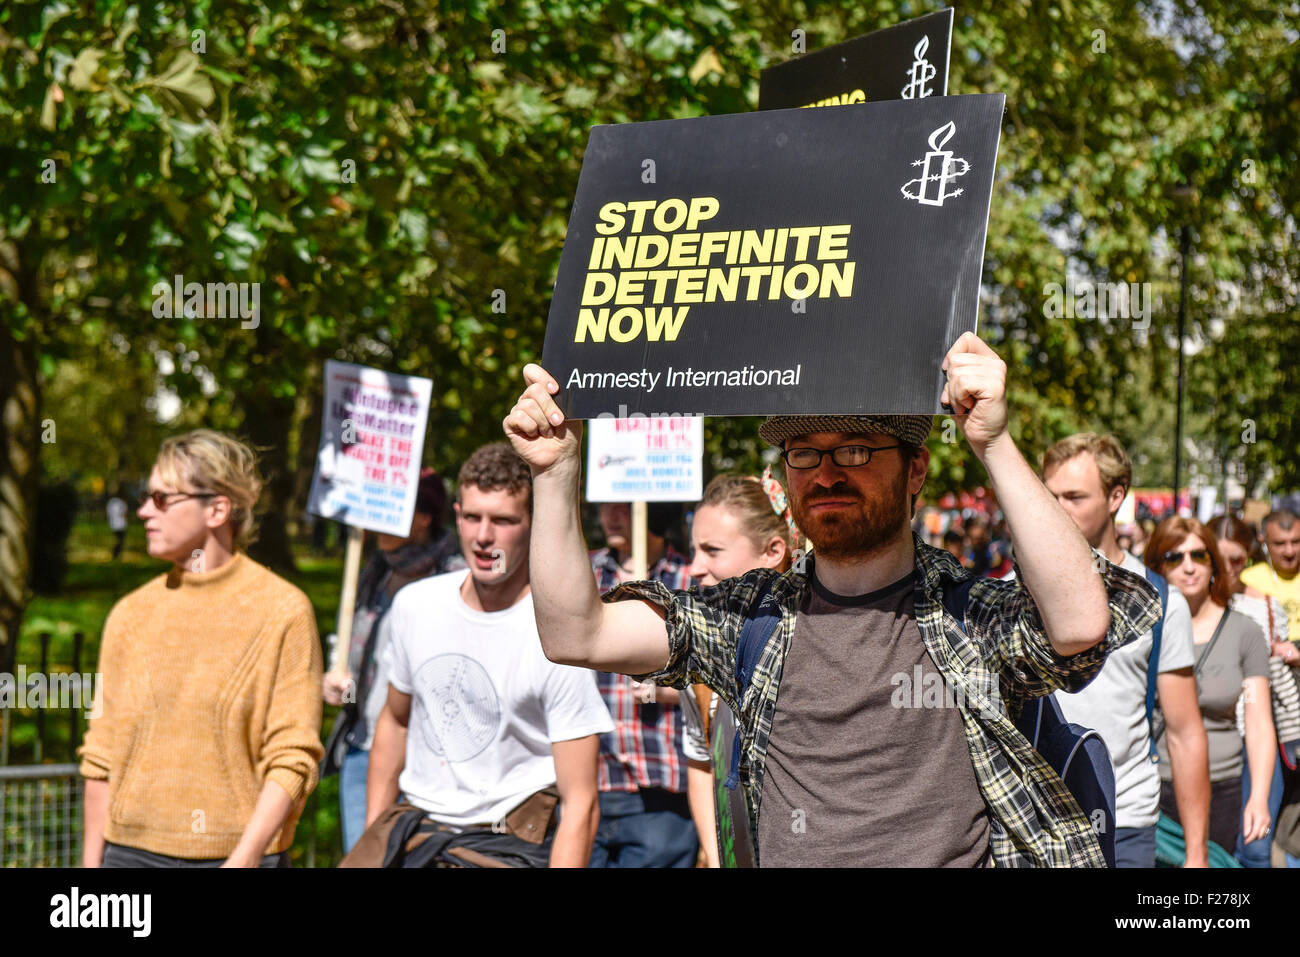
x: 906, y: 61
x: 703, y: 301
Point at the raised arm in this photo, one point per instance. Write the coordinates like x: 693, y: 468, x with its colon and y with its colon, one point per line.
x: 575, y: 626
x: 1054, y: 558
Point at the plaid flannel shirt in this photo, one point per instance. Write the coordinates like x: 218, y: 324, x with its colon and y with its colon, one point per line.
x: 1002, y: 660
x: 645, y: 748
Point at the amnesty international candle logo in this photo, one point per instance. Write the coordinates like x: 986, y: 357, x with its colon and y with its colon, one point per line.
x: 938, y: 167
x: 773, y: 266
x: 866, y: 69
x: 922, y: 72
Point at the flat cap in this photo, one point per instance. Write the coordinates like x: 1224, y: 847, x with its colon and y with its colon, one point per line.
x: 912, y: 429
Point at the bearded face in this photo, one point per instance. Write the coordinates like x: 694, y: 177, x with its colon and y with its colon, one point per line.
x: 849, y: 513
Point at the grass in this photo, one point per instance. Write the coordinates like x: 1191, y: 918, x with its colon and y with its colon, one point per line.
x: 93, y: 584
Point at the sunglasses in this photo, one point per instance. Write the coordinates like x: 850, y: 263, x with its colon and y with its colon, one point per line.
x: 162, y: 500
x: 1200, y: 556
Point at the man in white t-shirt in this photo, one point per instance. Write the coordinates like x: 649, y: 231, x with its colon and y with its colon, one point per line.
x: 477, y: 719
x: 1090, y: 475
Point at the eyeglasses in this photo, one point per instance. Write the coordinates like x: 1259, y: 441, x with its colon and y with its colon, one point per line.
x: 160, y: 499
x: 846, y: 456
x: 1199, y: 555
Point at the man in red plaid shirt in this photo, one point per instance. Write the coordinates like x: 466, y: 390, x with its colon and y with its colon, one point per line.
x: 645, y: 820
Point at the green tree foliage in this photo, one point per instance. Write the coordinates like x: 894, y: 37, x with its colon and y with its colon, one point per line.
x: 398, y: 176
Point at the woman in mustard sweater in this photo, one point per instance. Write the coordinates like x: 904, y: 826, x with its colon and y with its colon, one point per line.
x: 208, y: 736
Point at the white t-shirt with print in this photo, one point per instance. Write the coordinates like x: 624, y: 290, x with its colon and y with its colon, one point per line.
x: 486, y: 703
x: 1114, y: 704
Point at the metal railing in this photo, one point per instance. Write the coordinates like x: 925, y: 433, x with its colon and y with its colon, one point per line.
x: 73, y: 716
x: 40, y: 816
x: 41, y: 804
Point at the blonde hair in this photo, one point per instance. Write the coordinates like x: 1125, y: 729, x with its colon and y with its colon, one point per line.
x: 758, y: 518
x: 1112, y: 462
x: 208, y: 461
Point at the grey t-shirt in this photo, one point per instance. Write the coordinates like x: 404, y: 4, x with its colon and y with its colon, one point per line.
x: 1114, y: 704
x: 867, y: 762
x: 1240, y: 653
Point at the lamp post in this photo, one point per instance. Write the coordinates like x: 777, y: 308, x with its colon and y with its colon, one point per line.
x: 1184, y: 245
x: 1184, y: 196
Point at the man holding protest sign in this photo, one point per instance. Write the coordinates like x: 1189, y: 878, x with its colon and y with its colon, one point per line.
x: 836, y: 765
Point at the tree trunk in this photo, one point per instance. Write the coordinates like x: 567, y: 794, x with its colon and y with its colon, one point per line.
x: 268, y: 420
x: 20, y: 454
x: 309, y: 427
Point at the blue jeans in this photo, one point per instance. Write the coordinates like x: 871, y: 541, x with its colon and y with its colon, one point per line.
x: 647, y: 828
x: 1135, y: 846
x: 352, y: 795
x: 1258, y: 853
x: 1249, y: 855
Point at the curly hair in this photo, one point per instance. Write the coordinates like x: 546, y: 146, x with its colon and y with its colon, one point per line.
x: 496, y: 466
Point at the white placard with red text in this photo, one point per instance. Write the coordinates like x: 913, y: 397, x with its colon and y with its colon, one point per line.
x: 645, y: 459
x: 372, y: 437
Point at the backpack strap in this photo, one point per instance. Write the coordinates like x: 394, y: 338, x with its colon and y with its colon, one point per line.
x: 755, y: 634
x: 955, y: 599
x: 1153, y: 659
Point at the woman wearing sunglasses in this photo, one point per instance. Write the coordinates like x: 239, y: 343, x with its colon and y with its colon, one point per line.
x: 207, y: 735
x: 1231, y: 659
x: 1238, y: 544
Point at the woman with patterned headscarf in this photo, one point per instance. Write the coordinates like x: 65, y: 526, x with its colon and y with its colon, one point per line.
x: 741, y: 523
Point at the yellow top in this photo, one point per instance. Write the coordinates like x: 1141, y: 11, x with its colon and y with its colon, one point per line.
x: 210, y: 687
x: 1261, y: 577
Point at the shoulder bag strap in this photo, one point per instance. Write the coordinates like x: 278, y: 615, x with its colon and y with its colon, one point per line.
x: 1155, y: 728
x: 1218, y: 630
